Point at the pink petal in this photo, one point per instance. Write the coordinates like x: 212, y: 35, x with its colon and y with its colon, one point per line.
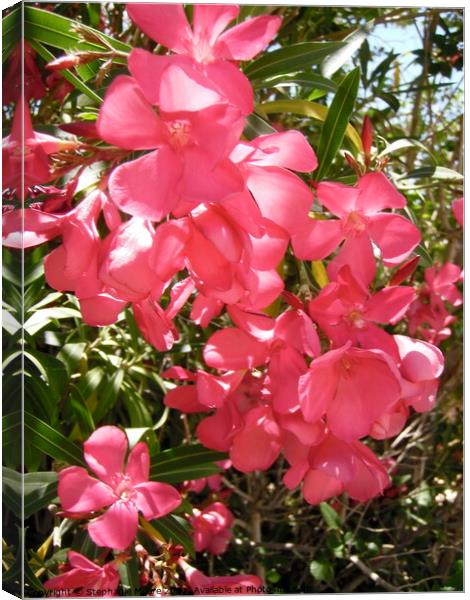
x: 421, y: 361
x: 370, y: 477
x: 355, y: 248
x: 156, y: 499
x: 27, y: 228
x: 390, y: 424
x: 216, y: 432
x: 147, y: 68
x: 185, y: 398
x: 377, y: 193
x: 185, y: 90
x: 210, y: 20
x: 78, y: 561
x: 169, y: 248
x: 367, y: 389
x: 257, y: 445
x: 180, y: 293
x: 288, y: 149
x: 396, y: 237
x: 458, y: 210
x: 127, y: 120
x: 296, y: 329
x: 127, y: 272
x: 307, y: 433
x: 334, y: 457
x: 217, y: 228
x: 245, y: 41
x: 104, y: 451
x: 269, y: 248
x: 259, y: 325
x: 205, y: 309
x: 204, y: 182
x: 294, y: 475
x: 232, y: 349
x: 231, y: 83
x: 138, y: 463
x: 54, y: 270
x: 285, y: 369
x: 338, y: 198
x: 117, y: 528
x: 78, y: 492
x: 164, y: 23
x: 319, y: 486
x: 244, y: 211
x: 263, y: 288
x: 146, y: 187
x: 317, y: 388
x: 101, y: 310
x: 317, y: 239
x: 212, y: 390
x: 390, y: 304
x: 281, y: 195
x: 154, y: 324
x: 206, y: 264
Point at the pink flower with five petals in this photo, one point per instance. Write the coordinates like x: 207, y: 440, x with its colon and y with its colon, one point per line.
x: 122, y: 490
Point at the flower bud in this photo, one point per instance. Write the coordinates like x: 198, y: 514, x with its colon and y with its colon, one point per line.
x: 64, y: 62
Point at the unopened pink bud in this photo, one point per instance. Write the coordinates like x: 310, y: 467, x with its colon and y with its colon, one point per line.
x: 64, y: 62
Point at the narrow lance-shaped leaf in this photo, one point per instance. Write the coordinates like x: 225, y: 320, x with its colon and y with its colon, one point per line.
x: 291, y: 59
x: 50, y: 441
x: 352, y: 43
x: 307, y: 109
x: 337, y: 120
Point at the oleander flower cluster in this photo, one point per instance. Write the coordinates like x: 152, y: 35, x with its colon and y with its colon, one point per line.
x: 193, y: 213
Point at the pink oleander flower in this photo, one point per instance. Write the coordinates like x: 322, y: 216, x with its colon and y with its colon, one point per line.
x: 190, y: 139
x: 428, y: 315
x: 31, y: 159
x: 421, y: 365
x: 266, y: 164
x: 352, y: 387
x: 83, y: 576
x: 212, y: 528
x: 226, y: 585
x: 206, y: 47
x: 334, y: 466
x: 23, y: 78
x: 458, y: 210
x: 122, y: 488
x: 361, y: 222
x: 346, y: 311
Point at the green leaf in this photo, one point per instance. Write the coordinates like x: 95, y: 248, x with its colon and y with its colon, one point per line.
x: 352, y: 43
x: 185, y: 462
x: 129, y: 573
x: 66, y: 73
x: 255, y: 126
x: 11, y: 32
x: 51, y: 369
x: 440, y: 173
x: 43, y: 437
x: 330, y: 516
x: 175, y: 530
x: 337, y: 120
x: 108, y: 395
x: 70, y: 355
x: 55, y: 30
x: 44, y: 316
x: 297, y: 57
x: 322, y: 570
x: 388, y: 98
x: 403, y: 144
x: 306, y: 79
x: 308, y: 109
x: 11, y: 437
x: 38, y: 489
